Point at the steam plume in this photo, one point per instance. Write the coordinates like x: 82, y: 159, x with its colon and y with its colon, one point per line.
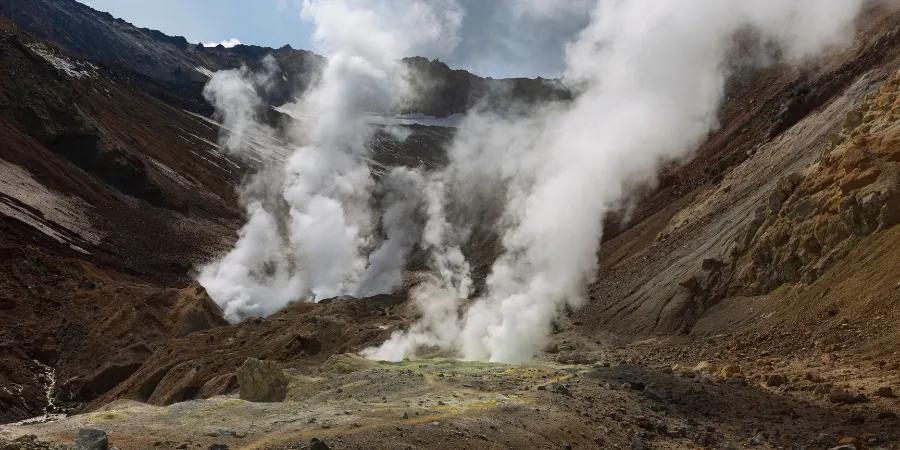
x: 649, y: 78
x: 311, y: 241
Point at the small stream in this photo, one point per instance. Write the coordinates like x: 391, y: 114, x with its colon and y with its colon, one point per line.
x: 48, y: 380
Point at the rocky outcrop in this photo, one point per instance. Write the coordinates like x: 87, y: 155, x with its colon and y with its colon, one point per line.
x: 90, y: 439
x: 194, y: 311
x: 262, y: 381
x: 810, y: 220
x: 303, y: 336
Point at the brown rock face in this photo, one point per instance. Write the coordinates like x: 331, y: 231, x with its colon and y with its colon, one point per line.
x: 194, y: 311
x: 262, y: 381
x: 811, y: 220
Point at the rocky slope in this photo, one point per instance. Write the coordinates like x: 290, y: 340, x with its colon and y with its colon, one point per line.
x: 102, y: 214
x: 750, y: 299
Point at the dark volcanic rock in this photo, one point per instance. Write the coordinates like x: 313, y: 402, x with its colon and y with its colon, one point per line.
x: 318, y: 444
x: 90, y: 439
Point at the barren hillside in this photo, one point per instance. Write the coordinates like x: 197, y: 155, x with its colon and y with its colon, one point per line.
x: 750, y: 298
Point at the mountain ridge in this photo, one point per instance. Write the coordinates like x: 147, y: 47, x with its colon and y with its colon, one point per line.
x: 172, y: 69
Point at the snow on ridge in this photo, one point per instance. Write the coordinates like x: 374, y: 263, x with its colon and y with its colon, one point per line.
x: 227, y: 43
x: 74, y: 69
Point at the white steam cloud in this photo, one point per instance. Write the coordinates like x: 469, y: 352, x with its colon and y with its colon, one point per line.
x: 649, y: 77
x: 310, y: 236
x: 235, y: 96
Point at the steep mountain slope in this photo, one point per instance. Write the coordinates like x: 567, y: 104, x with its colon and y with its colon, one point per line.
x: 166, y: 67
x: 109, y: 200
x: 771, y: 255
x: 109, y: 197
x: 175, y: 70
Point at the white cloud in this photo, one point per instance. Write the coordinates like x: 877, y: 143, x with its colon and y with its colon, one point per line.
x: 228, y: 43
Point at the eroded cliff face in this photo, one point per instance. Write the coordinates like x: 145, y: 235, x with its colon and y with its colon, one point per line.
x: 813, y: 218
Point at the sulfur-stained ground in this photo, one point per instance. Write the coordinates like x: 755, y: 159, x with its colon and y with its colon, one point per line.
x: 610, y: 400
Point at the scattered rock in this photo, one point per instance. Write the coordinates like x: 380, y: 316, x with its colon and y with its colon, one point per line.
x: 775, y: 380
x: 574, y: 358
x: 676, y: 431
x: 682, y: 371
x: 27, y: 442
x: 655, y: 392
x: 730, y: 371
x: 814, y: 377
x: 262, y: 381
x: 318, y: 444
x: 757, y: 439
x: 560, y: 388
x: 856, y: 419
x: 885, y: 391
x: 90, y: 439
x: 705, y: 367
x: 217, y: 447
x: 844, y: 397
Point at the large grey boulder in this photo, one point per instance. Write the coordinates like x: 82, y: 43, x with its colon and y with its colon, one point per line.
x: 90, y: 439
x: 262, y: 381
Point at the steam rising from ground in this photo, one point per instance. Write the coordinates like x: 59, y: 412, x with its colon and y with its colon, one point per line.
x: 311, y: 240
x: 648, y: 77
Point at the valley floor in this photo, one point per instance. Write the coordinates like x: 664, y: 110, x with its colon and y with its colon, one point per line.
x: 582, y: 394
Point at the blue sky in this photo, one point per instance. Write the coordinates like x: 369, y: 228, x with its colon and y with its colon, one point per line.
x: 497, y: 40
x: 270, y: 23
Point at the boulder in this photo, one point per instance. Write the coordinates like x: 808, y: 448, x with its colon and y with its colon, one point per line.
x: 262, y: 381
x: 775, y: 380
x: 842, y: 396
x: 885, y: 392
x: 730, y: 371
x: 705, y: 367
x: 90, y: 439
x: 318, y: 444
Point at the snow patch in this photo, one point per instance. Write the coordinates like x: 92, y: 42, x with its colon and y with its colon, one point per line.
x: 72, y: 68
x: 227, y: 43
